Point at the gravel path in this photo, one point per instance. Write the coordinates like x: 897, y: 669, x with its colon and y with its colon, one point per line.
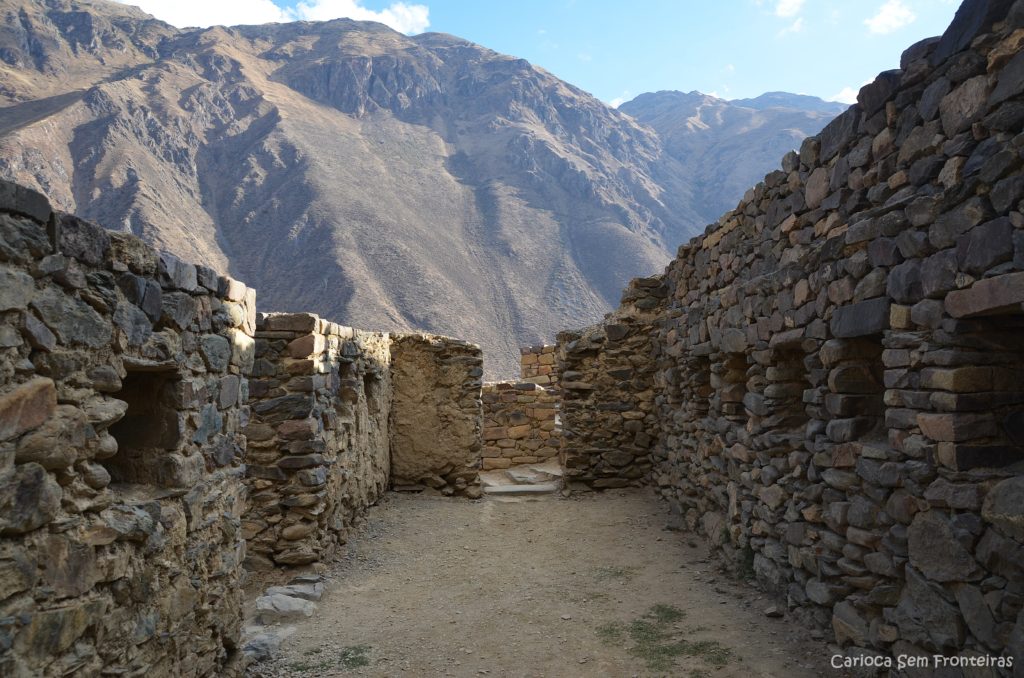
x: 586, y: 586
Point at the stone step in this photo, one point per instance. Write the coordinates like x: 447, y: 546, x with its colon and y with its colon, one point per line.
x: 524, y: 475
x: 535, y: 489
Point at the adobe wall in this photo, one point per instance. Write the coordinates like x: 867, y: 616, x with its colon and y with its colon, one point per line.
x: 436, y: 414
x: 318, y: 452
x: 837, y: 365
x: 122, y: 404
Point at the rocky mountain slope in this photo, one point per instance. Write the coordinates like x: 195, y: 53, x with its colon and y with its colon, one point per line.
x: 385, y: 181
x: 725, y: 147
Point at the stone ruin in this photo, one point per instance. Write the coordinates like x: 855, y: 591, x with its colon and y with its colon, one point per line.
x: 827, y: 385
x: 158, y: 437
x: 521, y: 424
x: 121, y: 451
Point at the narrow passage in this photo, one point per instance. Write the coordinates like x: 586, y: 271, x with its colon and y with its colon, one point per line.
x: 591, y: 585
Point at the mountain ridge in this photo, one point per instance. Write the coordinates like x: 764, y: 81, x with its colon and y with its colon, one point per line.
x: 385, y: 181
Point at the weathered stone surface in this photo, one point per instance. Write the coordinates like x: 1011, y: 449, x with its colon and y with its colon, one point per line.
x: 964, y: 105
x: 936, y: 552
x: 216, y: 352
x: 135, y: 324
x: 277, y: 607
x: 989, y: 244
x: 1004, y: 507
x: 29, y: 498
x: 924, y: 616
x: 862, y: 319
x: 56, y: 444
x: 17, y: 289
x: 848, y: 625
x: 72, y: 320
x: 38, y: 335
x: 992, y: 295
x: 26, y: 407
x: 88, y: 243
x: 21, y: 200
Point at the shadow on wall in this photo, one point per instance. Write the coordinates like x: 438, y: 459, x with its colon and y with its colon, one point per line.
x: 832, y: 373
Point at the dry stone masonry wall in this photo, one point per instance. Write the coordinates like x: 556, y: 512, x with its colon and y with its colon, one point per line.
x: 520, y: 424
x: 537, y: 365
x: 149, y: 430
x: 436, y: 415
x: 608, y: 408
x: 123, y: 398
x: 318, y: 440
x: 837, y: 394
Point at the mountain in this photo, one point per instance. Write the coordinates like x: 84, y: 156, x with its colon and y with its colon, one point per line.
x: 724, y: 147
x: 385, y: 181
x: 798, y: 102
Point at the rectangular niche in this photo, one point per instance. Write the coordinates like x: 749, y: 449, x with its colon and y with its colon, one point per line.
x: 978, y: 402
x: 731, y: 386
x: 856, y: 398
x: 698, y: 385
x: 149, y: 430
x: 786, y: 381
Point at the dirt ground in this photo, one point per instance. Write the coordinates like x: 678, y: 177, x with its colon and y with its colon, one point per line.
x: 591, y: 585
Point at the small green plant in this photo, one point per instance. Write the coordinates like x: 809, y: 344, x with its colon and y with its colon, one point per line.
x: 349, y: 658
x: 615, y: 572
x: 652, y: 641
x: 612, y: 633
x: 666, y: 614
x: 355, y: 656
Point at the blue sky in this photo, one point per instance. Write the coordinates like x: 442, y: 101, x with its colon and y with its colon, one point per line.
x: 616, y: 50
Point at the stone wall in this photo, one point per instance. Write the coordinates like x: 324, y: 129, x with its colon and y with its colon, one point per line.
x: 520, y: 424
x: 318, y: 441
x: 122, y: 404
x: 607, y: 411
x: 838, y: 393
x: 537, y: 365
x: 436, y: 415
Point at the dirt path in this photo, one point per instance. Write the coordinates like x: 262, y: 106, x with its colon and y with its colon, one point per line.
x: 587, y: 586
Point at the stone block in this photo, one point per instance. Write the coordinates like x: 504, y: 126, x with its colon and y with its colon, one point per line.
x: 1004, y: 507
x: 956, y: 427
x: 861, y: 319
x: 29, y: 499
x: 991, y: 296
x: 26, y: 407
x: 937, y: 553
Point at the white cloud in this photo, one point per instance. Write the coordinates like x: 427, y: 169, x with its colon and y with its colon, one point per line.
x: 585, y: 57
x: 794, y: 27
x: 846, y: 95
x: 400, y: 16
x: 788, y: 8
x: 186, y: 13
x: 619, y: 100
x: 890, y: 16
x: 730, y: 68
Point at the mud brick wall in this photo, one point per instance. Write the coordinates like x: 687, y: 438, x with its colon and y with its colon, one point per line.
x: 608, y: 408
x: 122, y: 403
x: 520, y: 424
x: 537, y: 365
x: 838, y: 401
x: 318, y: 438
x: 436, y: 413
